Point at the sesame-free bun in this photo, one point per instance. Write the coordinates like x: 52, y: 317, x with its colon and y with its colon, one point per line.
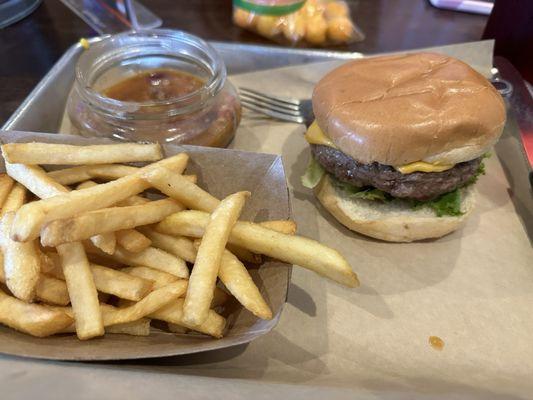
x: 393, y: 222
x: 416, y: 107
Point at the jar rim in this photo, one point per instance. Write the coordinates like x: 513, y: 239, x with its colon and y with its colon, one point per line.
x: 103, y: 53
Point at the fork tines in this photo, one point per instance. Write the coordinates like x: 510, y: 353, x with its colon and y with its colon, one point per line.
x: 284, y: 109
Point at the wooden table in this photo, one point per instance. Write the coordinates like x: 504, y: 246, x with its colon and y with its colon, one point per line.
x: 30, y: 47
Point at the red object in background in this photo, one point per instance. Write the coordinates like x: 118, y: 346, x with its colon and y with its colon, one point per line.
x: 511, y: 25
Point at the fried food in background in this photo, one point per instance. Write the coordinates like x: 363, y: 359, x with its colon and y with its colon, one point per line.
x: 316, y: 23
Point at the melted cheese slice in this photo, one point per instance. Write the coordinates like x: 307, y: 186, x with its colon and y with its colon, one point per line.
x: 315, y: 135
x: 421, y: 166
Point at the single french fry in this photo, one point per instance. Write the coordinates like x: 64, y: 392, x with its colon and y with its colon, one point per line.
x: 159, y: 278
x: 31, y: 217
x: 132, y: 240
x: 64, y: 154
x: 82, y: 290
x: 15, y: 199
x: 149, y: 257
x: 85, y: 184
x: 6, y: 183
x: 113, y: 219
x: 240, y: 284
x: 204, y: 273
x: 49, y: 290
x: 115, y: 282
x: 119, y: 283
x: 181, y: 189
x: 33, y: 319
x: 107, y: 242
x: 288, y: 227
x: 181, y: 247
x: 148, y: 305
x: 72, y: 175
x: 112, y: 172
x: 35, y: 179
x: 130, y: 201
x: 295, y: 250
x: 133, y: 201
x: 52, y: 291
x: 213, y: 325
x: 22, y: 262
x: 141, y: 327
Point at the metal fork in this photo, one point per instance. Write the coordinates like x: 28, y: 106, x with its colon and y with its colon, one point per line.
x: 286, y: 109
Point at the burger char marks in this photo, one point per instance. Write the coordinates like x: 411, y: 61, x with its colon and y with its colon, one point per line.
x: 421, y: 186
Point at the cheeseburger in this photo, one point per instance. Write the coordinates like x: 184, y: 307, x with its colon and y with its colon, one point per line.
x: 399, y: 141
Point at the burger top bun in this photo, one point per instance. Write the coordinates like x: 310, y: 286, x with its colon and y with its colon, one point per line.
x: 416, y: 107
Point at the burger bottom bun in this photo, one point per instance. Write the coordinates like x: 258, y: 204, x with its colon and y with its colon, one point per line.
x: 394, y: 221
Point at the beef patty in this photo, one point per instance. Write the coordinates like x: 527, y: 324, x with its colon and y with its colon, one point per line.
x: 421, y: 186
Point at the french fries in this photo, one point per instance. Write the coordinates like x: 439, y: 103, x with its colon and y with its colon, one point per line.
x: 111, y: 281
x: 149, y: 257
x: 69, y: 176
x: 213, y: 325
x: 33, y: 319
x: 140, y: 327
x: 35, y: 179
x: 179, y: 188
x: 282, y: 226
x: 238, y: 281
x: 107, y: 242
x: 64, y: 154
x: 132, y: 240
x: 22, y: 263
x: 159, y: 278
x: 291, y: 249
x: 204, y: 274
x: 148, y: 305
x: 49, y: 290
x: 31, y: 217
x: 15, y: 199
x: 106, y: 220
x: 72, y: 175
x: 138, y: 246
x: 6, y: 183
x: 232, y: 273
x: 181, y: 247
x: 82, y: 291
x: 78, y: 277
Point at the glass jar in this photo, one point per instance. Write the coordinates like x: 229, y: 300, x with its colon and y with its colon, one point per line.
x: 205, y: 116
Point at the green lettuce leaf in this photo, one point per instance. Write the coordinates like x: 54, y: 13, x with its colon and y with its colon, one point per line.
x: 447, y: 204
x: 313, y: 174
x: 480, y: 171
x: 365, y: 193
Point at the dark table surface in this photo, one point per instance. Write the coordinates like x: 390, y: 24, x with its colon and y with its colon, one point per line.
x: 30, y: 47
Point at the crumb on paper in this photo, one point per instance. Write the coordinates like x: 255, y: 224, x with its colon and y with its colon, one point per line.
x: 436, y: 342
x: 84, y: 43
